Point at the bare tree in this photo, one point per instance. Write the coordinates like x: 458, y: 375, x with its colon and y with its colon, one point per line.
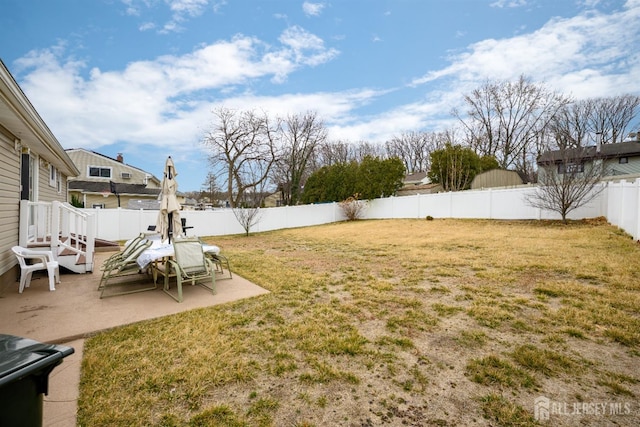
x: 247, y: 217
x: 568, y: 179
x: 505, y: 119
x: 209, y: 187
x: 414, y: 149
x: 301, y: 136
x: 330, y: 153
x: 610, y: 116
x: 569, y: 127
x: 243, y: 148
x: 362, y: 149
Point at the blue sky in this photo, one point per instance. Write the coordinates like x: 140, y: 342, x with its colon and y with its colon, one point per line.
x: 141, y: 77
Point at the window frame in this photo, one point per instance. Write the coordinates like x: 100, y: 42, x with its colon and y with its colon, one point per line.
x: 564, y: 168
x: 101, y: 170
x: 53, y: 177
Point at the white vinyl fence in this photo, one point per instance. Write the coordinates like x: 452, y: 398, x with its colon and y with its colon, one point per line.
x: 619, y: 202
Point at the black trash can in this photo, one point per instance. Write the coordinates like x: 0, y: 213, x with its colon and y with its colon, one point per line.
x: 25, y: 366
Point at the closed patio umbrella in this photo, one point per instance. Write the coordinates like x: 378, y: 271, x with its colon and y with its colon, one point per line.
x: 169, y: 223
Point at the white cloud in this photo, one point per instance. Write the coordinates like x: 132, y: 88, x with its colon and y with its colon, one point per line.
x: 218, y: 5
x: 187, y: 7
x: 312, y: 9
x: 165, y: 100
x: 508, y: 3
x: 147, y: 26
x: 306, y: 47
x: 130, y: 8
x: 181, y: 12
x: 584, y: 56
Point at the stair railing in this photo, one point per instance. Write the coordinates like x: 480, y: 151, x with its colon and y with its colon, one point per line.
x: 74, y: 230
x: 60, y: 226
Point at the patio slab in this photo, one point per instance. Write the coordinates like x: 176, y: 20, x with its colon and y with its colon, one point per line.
x: 74, y: 311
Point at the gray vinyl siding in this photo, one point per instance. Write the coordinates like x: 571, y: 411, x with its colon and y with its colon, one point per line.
x: 9, y: 205
x: 614, y: 167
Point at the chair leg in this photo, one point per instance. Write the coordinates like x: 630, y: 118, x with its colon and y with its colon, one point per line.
x: 166, y: 290
x: 52, y: 271
x: 25, y: 278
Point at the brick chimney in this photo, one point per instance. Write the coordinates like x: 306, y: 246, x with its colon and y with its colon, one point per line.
x: 120, y: 158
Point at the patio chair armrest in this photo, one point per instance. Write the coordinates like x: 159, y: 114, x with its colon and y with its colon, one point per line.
x: 210, y: 265
x: 176, y: 267
x: 30, y: 253
x: 43, y: 257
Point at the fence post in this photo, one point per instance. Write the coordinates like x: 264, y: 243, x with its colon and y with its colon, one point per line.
x: 636, y: 235
x: 622, y: 203
x: 604, y: 199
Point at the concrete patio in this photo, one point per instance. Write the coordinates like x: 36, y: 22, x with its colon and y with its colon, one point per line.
x: 74, y: 311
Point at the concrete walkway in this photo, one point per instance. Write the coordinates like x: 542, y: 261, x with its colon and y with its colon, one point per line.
x: 74, y: 311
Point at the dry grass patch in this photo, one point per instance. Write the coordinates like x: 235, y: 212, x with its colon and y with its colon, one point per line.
x: 395, y: 322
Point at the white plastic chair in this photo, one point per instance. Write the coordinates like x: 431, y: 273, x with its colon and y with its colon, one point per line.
x: 46, y: 262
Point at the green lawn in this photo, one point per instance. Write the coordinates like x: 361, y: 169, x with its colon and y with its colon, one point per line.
x: 389, y: 322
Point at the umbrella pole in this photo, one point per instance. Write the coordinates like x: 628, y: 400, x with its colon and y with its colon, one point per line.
x: 170, y: 225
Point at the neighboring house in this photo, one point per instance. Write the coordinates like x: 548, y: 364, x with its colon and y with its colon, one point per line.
x: 418, y: 183
x: 34, y: 167
x: 189, y: 204
x: 496, y: 178
x: 105, y: 182
x: 618, y: 159
x: 417, y: 178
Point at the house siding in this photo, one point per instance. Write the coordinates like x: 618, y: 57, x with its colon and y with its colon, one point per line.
x: 109, y: 202
x: 496, y: 178
x: 9, y: 210
x: 46, y: 192
x: 83, y: 159
x: 22, y: 130
x: 613, y: 167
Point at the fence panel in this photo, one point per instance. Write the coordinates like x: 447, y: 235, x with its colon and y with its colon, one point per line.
x: 619, y: 202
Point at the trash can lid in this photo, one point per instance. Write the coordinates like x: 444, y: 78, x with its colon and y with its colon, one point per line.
x: 20, y: 356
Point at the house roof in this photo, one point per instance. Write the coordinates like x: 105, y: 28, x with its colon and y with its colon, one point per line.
x: 607, y: 151
x: 20, y: 122
x: 416, y: 176
x: 121, y: 188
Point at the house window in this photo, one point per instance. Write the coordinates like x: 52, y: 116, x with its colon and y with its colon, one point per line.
x: 99, y: 172
x: 623, y: 160
x: 98, y: 206
x: 53, y: 176
x: 570, y: 168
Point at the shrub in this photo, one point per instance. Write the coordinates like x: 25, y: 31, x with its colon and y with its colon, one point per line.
x: 352, y: 208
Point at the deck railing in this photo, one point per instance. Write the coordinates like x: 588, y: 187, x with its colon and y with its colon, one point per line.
x: 59, y: 226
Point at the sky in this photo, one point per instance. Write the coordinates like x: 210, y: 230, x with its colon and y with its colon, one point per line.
x: 142, y: 77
